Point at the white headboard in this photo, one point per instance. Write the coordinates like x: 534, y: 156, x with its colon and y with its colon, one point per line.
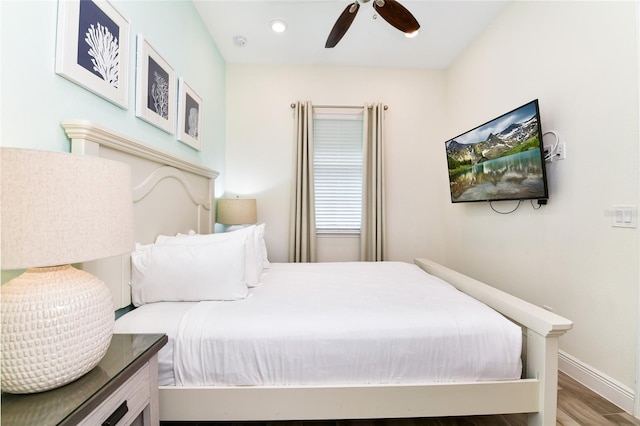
x: 170, y: 194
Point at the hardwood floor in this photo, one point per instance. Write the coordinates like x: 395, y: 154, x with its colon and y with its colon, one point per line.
x: 577, y: 406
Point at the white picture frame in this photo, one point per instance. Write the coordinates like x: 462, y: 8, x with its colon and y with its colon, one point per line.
x: 189, y: 116
x: 82, y: 25
x: 155, y: 87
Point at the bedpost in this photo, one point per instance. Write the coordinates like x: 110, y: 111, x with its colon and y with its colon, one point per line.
x: 542, y: 364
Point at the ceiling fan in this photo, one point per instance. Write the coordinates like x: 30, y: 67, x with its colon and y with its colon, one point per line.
x: 392, y: 12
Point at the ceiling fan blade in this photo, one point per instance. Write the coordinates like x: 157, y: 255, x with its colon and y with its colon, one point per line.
x: 397, y: 15
x: 342, y: 24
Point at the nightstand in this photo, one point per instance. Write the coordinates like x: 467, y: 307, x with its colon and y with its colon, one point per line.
x: 122, y: 388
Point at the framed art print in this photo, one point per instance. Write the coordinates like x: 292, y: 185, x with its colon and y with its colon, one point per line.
x: 92, y: 48
x: 189, y: 116
x: 155, y: 88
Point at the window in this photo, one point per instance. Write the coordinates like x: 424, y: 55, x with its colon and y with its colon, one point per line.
x: 338, y: 162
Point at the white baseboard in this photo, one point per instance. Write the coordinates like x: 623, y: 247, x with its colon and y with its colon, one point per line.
x: 603, y: 385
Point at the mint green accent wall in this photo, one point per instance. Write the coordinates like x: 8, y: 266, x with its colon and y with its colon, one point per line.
x: 34, y: 99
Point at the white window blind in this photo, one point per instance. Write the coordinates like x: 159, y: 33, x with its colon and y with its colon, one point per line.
x: 338, y: 172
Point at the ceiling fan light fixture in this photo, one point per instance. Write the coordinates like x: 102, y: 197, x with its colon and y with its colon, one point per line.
x: 412, y: 34
x: 278, y: 26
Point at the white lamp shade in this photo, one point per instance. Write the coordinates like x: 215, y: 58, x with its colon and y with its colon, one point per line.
x: 236, y: 211
x: 60, y: 208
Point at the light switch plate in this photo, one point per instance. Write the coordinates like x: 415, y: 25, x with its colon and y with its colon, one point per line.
x: 625, y: 216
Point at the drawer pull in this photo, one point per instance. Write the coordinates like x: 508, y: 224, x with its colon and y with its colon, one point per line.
x: 117, y: 415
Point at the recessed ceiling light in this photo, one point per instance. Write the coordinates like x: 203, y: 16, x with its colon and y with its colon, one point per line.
x: 278, y: 26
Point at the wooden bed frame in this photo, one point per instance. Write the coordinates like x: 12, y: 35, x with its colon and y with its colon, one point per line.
x: 159, y: 176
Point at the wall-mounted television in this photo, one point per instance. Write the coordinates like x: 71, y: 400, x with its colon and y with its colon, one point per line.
x: 502, y: 159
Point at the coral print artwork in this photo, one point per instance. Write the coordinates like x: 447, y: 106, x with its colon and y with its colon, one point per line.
x: 98, y: 43
x: 92, y: 48
x: 189, y: 116
x: 158, y: 89
x: 191, y: 123
x: 155, y: 87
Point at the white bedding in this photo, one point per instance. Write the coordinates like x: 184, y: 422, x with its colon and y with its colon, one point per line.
x: 333, y: 323
x: 157, y: 318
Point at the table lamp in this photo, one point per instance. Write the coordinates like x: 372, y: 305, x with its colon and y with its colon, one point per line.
x: 236, y: 212
x: 57, y: 209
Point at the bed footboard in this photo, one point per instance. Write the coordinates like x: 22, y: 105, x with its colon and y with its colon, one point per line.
x: 347, y: 402
x: 543, y: 329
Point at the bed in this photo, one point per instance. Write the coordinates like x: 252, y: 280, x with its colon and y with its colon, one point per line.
x: 159, y: 177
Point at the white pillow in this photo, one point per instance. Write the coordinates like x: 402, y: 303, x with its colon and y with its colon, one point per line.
x: 179, y: 272
x: 262, y: 261
x: 253, y: 265
x: 261, y: 248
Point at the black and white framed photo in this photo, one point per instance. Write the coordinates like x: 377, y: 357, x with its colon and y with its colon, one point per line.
x: 155, y: 88
x: 189, y: 116
x: 92, y: 48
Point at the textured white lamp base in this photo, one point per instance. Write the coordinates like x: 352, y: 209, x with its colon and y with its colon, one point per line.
x: 57, y: 324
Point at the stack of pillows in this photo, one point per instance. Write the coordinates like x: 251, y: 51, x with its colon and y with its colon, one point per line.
x: 194, y: 267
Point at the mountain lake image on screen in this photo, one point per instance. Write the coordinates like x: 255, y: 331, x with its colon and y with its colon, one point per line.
x: 502, y: 159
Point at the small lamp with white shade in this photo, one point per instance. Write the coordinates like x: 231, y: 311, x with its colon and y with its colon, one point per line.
x: 58, y: 209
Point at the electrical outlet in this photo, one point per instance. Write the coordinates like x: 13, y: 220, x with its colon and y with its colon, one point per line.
x: 561, y: 151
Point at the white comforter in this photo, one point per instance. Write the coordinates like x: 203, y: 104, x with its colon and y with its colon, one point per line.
x: 339, y: 323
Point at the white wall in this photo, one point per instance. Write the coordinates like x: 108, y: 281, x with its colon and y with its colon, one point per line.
x: 260, y: 145
x: 581, y: 60
x: 35, y: 99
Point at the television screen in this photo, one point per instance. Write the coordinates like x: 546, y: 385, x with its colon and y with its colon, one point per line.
x: 499, y: 160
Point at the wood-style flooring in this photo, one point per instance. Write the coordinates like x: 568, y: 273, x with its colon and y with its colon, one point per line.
x: 577, y: 405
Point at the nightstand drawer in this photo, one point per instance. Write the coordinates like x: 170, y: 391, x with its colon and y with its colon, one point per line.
x: 135, y: 392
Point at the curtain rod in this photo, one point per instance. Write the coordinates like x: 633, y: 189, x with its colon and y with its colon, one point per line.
x: 293, y: 105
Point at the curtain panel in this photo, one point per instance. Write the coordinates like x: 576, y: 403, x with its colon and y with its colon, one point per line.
x: 302, y: 233
x: 372, y: 234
